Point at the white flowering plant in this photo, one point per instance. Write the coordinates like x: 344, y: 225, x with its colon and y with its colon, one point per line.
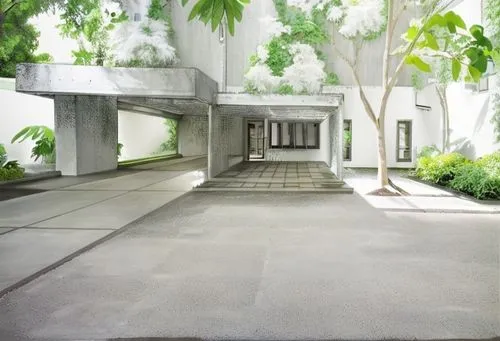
x: 145, y: 43
x: 289, y: 62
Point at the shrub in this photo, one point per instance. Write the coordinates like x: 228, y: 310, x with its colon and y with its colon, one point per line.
x: 3, y: 155
x: 440, y: 169
x: 477, y: 180
x: 428, y: 151
x: 9, y: 170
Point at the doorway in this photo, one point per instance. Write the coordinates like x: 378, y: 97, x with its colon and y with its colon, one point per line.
x: 255, y: 140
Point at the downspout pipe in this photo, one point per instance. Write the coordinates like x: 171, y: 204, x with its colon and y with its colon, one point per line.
x: 223, y: 42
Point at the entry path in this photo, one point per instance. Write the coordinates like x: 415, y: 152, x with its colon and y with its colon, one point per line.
x: 39, y: 230
x: 272, y: 266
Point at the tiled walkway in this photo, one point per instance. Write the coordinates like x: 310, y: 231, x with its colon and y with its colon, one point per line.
x: 277, y: 176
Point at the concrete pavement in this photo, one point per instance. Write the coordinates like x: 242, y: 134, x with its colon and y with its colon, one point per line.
x: 272, y: 266
x: 41, y: 229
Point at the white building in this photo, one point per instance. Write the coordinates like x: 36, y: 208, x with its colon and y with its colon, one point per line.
x: 238, y: 127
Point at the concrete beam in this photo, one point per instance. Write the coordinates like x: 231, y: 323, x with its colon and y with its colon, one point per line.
x: 144, y: 110
x: 62, y: 79
x: 330, y: 100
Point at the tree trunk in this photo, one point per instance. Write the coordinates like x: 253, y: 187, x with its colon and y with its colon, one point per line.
x: 382, y: 174
x: 443, y: 101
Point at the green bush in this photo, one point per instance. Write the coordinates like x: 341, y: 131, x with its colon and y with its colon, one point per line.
x: 477, y: 180
x: 10, y: 171
x: 440, y: 169
x: 3, y: 155
x: 428, y: 151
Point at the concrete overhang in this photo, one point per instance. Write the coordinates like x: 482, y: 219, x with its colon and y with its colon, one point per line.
x: 279, y: 107
x: 62, y: 79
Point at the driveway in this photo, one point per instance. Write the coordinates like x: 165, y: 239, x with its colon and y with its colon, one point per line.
x: 272, y: 266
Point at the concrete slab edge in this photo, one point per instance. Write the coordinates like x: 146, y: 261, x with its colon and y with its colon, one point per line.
x: 79, y: 252
x: 278, y: 190
x: 454, y: 192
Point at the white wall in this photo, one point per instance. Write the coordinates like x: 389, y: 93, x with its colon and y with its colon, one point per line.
x: 140, y: 135
x: 18, y: 111
x: 426, y: 125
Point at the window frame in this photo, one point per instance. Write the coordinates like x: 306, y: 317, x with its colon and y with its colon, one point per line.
x: 349, y: 158
x: 292, y: 126
x: 409, y: 125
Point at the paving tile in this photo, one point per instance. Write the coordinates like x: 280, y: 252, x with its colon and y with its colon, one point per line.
x: 5, y: 229
x: 262, y: 185
x: 234, y: 184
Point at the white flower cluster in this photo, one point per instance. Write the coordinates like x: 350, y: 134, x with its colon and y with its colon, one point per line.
x: 361, y: 17
x: 146, y: 41
x: 307, y: 73
x: 309, y: 5
x: 274, y: 27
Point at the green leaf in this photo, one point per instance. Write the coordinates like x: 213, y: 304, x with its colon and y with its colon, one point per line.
x: 217, y: 14
x: 431, y: 41
x: 451, y: 27
x: 195, y: 11
x: 19, y: 134
x: 411, y: 34
x: 474, y: 73
x: 455, y: 19
x: 418, y: 62
x: 477, y: 31
x: 481, y: 64
x: 455, y: 69
x: 436, y: 20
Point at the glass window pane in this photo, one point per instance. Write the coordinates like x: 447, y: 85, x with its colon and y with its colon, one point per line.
x: 299, y: 134
x: 311, y: 134
x: 285, y: 133
x: 275, y: 134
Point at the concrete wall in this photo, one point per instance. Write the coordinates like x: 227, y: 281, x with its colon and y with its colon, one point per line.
x: 193, y: 135
x: 198, y: 46
x: 226, y: 141
x: 86, y: 129
x: 141, y: 135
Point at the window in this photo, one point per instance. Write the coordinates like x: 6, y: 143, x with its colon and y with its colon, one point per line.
x: 347, y: 140
x: 483, y: 84
x: 294, y: 135
x: 404, y: 141
x: 137, y: 16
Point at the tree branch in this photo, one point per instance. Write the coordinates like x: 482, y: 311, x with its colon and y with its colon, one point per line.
x: 388, y: 39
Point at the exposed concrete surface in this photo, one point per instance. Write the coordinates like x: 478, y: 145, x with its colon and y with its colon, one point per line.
x: 56, y: 224
x: 193, y: 135
x: 86, y: 129
x: 273, y: 266
x: 113, y: 213
x: 34, y: 208
x: 39, y: 249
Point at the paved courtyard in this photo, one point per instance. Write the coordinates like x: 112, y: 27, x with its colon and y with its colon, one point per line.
x: 241, y: 265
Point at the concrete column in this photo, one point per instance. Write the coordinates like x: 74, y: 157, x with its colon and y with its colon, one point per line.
x: 336, y: 143
x: 86, y: 129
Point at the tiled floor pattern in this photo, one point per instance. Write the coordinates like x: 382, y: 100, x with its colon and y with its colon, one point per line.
x: 307, y: 175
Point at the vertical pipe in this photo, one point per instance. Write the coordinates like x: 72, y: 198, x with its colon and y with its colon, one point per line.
x: 223, y: 41
x: 340, y: 140
x: 210, y: 141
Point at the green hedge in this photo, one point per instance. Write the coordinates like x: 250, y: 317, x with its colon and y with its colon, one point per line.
x: 480, y: 178
x: 440, y: 169
x: 11, y: 173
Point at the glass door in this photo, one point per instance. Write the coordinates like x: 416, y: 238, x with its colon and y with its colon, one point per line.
x: 255, y: 140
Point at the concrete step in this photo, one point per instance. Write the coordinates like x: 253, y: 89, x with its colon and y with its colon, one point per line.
x: 338, y: 190
x: 278, y: 180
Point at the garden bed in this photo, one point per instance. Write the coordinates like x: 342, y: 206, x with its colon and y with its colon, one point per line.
x: 49, y: 174
x: 455, y: 192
